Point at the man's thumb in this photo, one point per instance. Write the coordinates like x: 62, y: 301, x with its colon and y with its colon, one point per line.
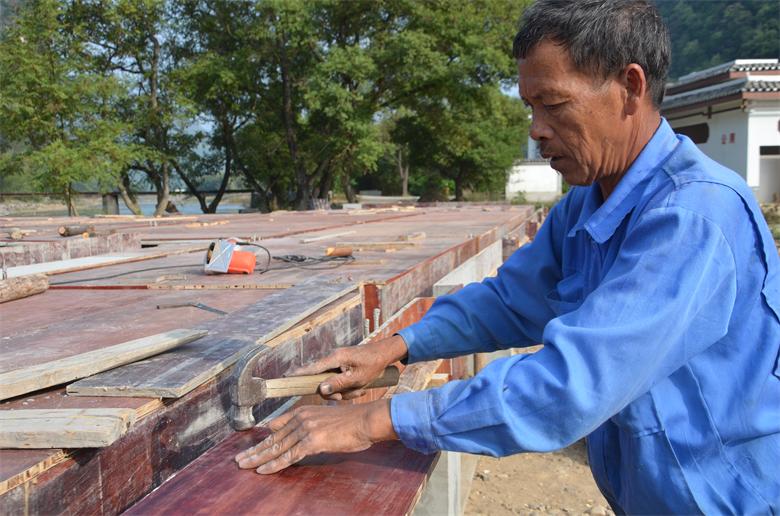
x: 337, y: 383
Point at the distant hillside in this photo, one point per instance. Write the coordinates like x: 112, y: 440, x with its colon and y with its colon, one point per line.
x: 709, y: 32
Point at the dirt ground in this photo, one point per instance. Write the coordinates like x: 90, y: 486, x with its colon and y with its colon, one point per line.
x: 536, y: 484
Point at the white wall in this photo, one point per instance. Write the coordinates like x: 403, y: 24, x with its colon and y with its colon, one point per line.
x: 762, y: 131
x: 732, y: 155
x: 537, y: 180
x: 753, y: 128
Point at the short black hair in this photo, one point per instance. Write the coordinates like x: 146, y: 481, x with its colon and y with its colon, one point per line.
x: 602, y: 37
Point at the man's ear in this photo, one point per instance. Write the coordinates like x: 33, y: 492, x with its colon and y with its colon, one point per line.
x: 635, y: 84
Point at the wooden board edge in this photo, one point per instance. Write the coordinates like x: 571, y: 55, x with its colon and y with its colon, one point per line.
x: 307, y: 326
x: 57, y: 457
x: 114, y: 423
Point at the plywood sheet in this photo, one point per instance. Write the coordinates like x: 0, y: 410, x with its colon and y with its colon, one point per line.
x: 63, y: 323
x: 385, y: 479
x: 175, y: 373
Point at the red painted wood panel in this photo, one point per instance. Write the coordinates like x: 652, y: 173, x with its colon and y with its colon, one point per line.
x: 59, y: 323
x: 385, y: 479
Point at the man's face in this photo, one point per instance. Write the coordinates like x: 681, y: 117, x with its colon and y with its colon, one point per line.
x: 578, y: 120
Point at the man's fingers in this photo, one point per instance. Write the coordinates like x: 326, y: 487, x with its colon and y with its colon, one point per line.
x: 332, y: 361
x: 288, y: 458
x: 345, y: 381
x: 277, y: 449
x: 272, y: 439
x: 281, y: 421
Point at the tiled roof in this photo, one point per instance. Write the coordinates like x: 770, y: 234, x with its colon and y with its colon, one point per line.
x: 738, y: 65
x: 720, y: 90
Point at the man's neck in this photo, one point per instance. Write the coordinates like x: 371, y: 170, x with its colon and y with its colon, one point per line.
x: 638, y: 140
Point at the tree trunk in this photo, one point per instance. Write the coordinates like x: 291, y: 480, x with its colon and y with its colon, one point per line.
x: 157, y: 132
x: 302, y: 181
x: 459, y: 186
x: 71, y: 201
x: 163, y: 192
x: 191, y: 187
x: 347, y: 187
x: 403, y: 171
x: 226, y: 177
x: 128, y: 196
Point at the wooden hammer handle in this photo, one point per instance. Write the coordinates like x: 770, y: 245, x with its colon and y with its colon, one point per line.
x: 302, y: 385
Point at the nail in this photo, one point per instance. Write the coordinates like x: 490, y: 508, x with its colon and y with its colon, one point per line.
x: 326, y: 388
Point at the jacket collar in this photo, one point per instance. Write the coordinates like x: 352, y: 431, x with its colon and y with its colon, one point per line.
x: 601, y: 219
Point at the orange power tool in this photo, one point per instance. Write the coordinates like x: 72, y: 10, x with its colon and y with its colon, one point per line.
x: 226, y: 257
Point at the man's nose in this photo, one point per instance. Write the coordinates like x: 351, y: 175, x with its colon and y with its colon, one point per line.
x: 539, y: 129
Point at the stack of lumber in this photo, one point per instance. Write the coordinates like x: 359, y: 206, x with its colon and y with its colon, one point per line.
x: 22, y: 427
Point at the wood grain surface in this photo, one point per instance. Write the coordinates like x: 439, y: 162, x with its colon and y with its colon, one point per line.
x: 177, y: 372
x: 62, y: 323
x: 63, y: 428
x: 36, y: 377
x: 385, y: 479
x: 24, y: 286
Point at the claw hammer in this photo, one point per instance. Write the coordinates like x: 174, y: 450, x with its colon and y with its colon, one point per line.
x: 247, y: 390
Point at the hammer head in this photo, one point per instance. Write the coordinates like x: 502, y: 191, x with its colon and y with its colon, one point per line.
x: 246, y: 391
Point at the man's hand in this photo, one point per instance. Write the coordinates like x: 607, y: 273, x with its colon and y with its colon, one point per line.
x: 360, y: 365
x: 311, y: 430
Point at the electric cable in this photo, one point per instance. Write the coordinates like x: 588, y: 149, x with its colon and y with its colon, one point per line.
x: 292, y: 261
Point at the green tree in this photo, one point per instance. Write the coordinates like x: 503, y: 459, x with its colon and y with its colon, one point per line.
x: 706, y: 34
x: 134, y: 40
x: 471, y: 143
x: 56, y: 121
x: 339, y: 67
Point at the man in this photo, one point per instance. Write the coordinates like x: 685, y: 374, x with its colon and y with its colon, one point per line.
x: 654, y: 286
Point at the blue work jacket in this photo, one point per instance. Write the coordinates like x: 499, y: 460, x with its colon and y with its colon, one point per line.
x: 659, y: 313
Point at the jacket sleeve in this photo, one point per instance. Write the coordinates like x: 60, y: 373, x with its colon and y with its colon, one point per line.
x: 498, y: 313
x: 668, y: 296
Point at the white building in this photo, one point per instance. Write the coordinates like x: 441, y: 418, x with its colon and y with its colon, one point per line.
x: 533, y: 177
x: 732, y: 112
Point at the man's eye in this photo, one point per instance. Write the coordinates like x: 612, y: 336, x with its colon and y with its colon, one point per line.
x: 553, y: 107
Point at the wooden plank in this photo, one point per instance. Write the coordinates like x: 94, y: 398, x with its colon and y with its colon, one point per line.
x: 368, y: 246
x: 20, y: 466
x: 63, y: 428
x: 415, y: 378
x: 325, y: 237
x: 173, y: 374
x: 33, y: 378
x: 384, y: 479
x: 70, y: 264
x: 17, y: 288
x: 91, y: 262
